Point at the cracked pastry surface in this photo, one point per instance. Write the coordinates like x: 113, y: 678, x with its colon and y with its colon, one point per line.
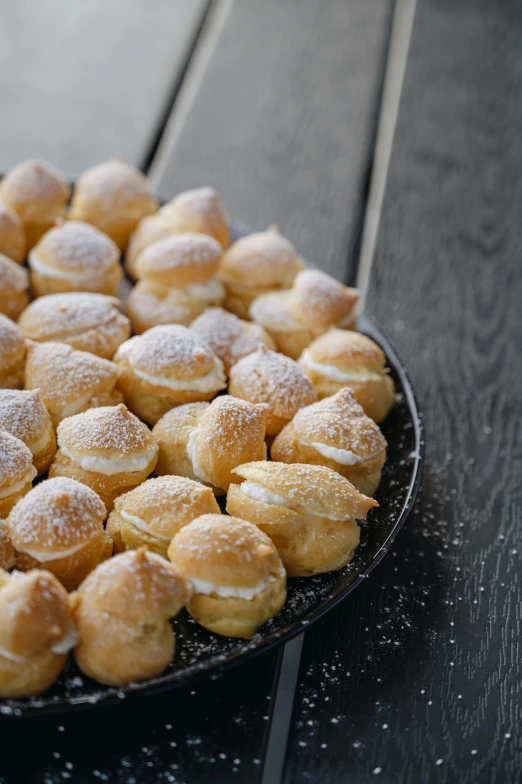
x: 12, y: 237
x: 308, y: 511
x: 16, y: 471
x: 75, y: 256
x: 12, y: 355
x: 106, y: 448
x: 237, y: 577
x: 336, y: 433
x: 122, y: 613
x: 58, y: 526
x: 341, y: 358
x: 230, y: 337
x: 23, y: 414
x: 14, y: 285
x: 166, y: 366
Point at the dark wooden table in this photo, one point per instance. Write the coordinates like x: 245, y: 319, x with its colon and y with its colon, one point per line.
x: 289, y: 110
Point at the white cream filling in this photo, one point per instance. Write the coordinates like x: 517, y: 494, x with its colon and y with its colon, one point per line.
x: 76, y: 406
x: 259, y: 493
x: 67, y: 642
x: 213, y: 380
x: 213, y: 290
x: 11, y: 656
x: 342, y: 456
x: 27, y: 477
x: 230, y: 591
x: 41, y: 442
x: 334, y: 373
x: 38, y: 265
x: 138, y: 522
x: 108, y: 466
x: 193, y: 457
x: 54, y: 556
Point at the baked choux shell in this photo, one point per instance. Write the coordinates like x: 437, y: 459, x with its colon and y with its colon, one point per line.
x: 7, y: 552
x: 230, y: 337
x: 148, y: 308
x: 180, y: 260
x: 23, y: 414
x: 14, y: 283
x: 198, y: 211
x: 260, y: 262
x: 322, y: 301
x: 172, y: 433
x: 12, y: 355
x: 12, y: 238
x: 150, y: 229
x: 273, y: 312
x: 16, y: 462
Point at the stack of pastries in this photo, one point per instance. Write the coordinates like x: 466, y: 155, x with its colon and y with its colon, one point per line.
x: 230, y: 373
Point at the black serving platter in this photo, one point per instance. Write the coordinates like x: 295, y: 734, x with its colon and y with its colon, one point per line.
x: 201, y: 653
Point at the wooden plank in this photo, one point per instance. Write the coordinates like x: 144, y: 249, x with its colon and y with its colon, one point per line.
x: 417, y: 677
x: 280, y: 118
x: 85, y: 81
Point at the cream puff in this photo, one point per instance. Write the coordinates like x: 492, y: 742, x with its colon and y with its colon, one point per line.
x: 164, y: 367
x: 207, y: 441
x: 122, y: 613
x: 108, y: 449
x: 308, y: 511
x: 177, y: 281
x: 12, y: 355
x: 38, y: 193
x: 197, y: 211
x: 230, y: 337
x: 23, y: 415
x: 58, y: 526
x: 113, y: 196
x: 151, y: 514
x: 70, y: 381
x: 315, y: 303
x: 16, y: 471
x: 267, y: 377
x: 14, y: 284
x: 75, y: 256
x: 7, y: 551
x: 12, y: 238
x: 348, y: 359
x: 257, y: 264
x: 335, y: 433
x: 85, y: 321
x: 36, y: 632
x: 237, y: 577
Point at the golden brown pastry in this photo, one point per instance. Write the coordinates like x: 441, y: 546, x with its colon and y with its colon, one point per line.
x: 16, y: 471
x: 36, y: 632
x: 207, y: 441
x: 229, y: 336
x: 23, y: 415
x: 166, y: 366
x: 335, y: 433
x: 12, y: 355
x: 7, y: 552
x: 177, y: 281
x: 114, y: 196
x: 108, y: 449
x: 308, y: 511
x: 348, y: 359
x: 278, y: 381
x: 88, y: 322
x: 12, y: 238
x: 151, y: 514
x: 58, y: 526
x: 70, y: 381
x: 237, y: 577
x: 315, y: 303
x: 38, y: 193
x: 197, y: 211
x: 122, y: 613
x: 75, y: 256
x: 14, y: 283
x: 257, y: 264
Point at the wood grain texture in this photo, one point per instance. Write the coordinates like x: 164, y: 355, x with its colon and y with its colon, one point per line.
x: 85, y: 81
x: 417, y: 677
x: 281, y: 119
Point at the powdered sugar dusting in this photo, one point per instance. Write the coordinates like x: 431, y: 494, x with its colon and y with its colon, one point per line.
x: 15, y: 458
x: 23, y: 414
x: 13, y: 277
x: 181, y: 250
x: 78, y: 246
x: 61, y: 372
x: 109, y: 429
x: 59, y: 315
x: 11, y: 338
x: 229, y: 336
x: 171, y: 350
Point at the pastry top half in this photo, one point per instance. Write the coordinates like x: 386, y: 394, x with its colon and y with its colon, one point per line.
x: 174, y: 357
x: 262, y: 261
x: 16, y: 464
x: 225, y: 552
x: 320, y: 300
x: 274, y: 311
x: 344, y: 356
x: 35, y: 189
x: 162, y: 505
x: 267, y: 377
x: 56, y: 519
x: 108, y: 440
x: 180, y: 260
x: 13, y: 278
x: 198, y: 211
x: 230, y: 337
x: 309, y: 490
x: 12, y: 238
x: 7, y: 551
x: 34, y: 616
x: 23, y: 414
x: 75, y: 250
x: 137, y: 586
x: 12, y: 343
